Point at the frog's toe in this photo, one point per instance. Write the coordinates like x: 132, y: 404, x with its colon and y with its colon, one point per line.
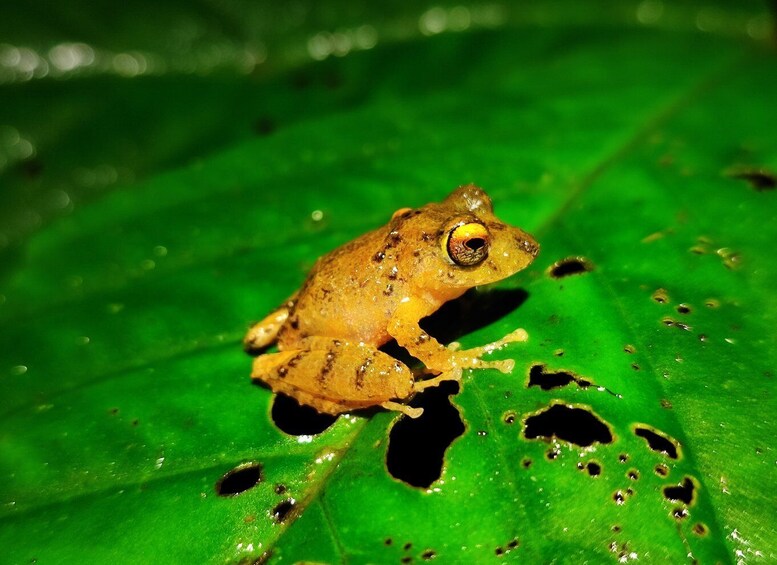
x: 503, y: 365
x: 410, y: 411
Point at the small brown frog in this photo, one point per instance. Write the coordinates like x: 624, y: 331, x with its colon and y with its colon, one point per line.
x: 378, y: 287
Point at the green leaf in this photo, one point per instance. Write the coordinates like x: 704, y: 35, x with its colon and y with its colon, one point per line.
x: 148, y: 219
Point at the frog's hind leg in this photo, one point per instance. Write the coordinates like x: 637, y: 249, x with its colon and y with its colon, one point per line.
x: 280, y: 371
x: 263, y: 333
x: 334, y: 376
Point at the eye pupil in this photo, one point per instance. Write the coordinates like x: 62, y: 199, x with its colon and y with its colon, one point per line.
x: 475, y: 243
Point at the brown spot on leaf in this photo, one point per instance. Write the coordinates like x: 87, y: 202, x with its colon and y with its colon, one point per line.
x: 661, y: 470
x: 661, y: 296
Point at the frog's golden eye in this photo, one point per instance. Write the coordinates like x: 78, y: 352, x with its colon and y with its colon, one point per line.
x: 467, y: 244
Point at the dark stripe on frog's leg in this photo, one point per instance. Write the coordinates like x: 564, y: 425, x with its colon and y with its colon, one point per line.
x: 329, y: 362
x: 361, y: 371
x: 291, y: 363
x: 283, y: 369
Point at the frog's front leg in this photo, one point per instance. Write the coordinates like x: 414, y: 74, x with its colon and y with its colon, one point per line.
x: 447, y: 360
x: 335, y: 376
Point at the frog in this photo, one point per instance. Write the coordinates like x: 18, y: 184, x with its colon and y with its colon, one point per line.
x: 378, y: 288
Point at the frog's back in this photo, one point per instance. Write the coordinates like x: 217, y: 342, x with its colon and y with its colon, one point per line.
x: 349, y: 294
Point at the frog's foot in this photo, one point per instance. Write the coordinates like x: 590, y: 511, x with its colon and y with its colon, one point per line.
x: 404, y: 408
x: 263, y: 333
x: 471, y: 358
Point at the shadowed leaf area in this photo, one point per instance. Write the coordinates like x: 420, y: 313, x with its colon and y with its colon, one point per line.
x: 170, y: 178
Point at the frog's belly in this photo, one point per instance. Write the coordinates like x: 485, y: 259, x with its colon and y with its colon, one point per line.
x: 360, y: 325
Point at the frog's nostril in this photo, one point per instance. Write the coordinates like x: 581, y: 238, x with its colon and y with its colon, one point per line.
x: 529, y: 246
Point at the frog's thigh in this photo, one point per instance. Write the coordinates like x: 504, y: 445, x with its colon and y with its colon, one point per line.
x: 327, y: 371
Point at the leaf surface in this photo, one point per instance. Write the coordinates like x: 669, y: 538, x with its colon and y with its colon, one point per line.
x: 643, y: 153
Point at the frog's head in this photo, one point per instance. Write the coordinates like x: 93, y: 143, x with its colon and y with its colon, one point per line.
x: 471, y: 246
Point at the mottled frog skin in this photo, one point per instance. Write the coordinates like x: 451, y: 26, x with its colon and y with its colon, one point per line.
x: 377, y: 288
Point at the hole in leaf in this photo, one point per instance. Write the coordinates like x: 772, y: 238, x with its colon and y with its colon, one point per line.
x: 570, y: 266
x: 669, y: 322
x: 298, y: 420
x: 280, y: 489
x: 593, y: 468
x: 683, y: 309
x: 417, y: 446
x: 509, y: 418
x: 683, y: 492
x: 759, y: 179
x: 680, y: 513
x: 633, y: 474
x: 619, y: 497
x: 658, y: 441
x: 662, y: 470
x: 282, y: 509
x: 700, y: 529
x: 526, y: 463
x: 240, y: 479
x: 540, y: 376
x: 428, y: 555
x: 499, y: 551
x: 578, y: 426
